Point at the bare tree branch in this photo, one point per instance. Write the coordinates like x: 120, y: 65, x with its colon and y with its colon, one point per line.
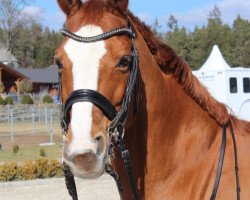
x: 11, y: 20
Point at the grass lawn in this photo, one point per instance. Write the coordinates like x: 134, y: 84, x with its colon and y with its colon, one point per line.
x: 31, y: 152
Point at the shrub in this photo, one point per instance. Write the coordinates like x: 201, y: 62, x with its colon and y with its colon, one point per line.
x: 42, y: 168
x: 9, y: 100
x: 47, y: 99
x: 15, y: 148
x: 1, y: 87
x: 2, y: 101
x: 26, y: 99
x: 42, y: 152
x: 25, y: 86
x: 8, y: 172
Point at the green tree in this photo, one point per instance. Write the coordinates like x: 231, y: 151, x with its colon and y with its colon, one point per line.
x: 180, y: 41
x: 240, y: 42
x: 199, y: 51
x: 215, y: 16
x: 172, y: 23
x: 215, y: 33
x: 156, y: 28
x: 36, y: 46
x: 45, y: 51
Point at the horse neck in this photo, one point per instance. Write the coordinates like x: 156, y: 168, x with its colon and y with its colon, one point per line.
x: 168, y: 123
x: 165, y: 105
x: 168, y: 127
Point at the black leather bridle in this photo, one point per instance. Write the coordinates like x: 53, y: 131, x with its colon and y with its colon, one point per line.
x: 118, y: 119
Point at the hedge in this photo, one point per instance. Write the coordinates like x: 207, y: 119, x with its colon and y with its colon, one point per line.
x: 39, y: 169
x: 9, y: 100
x: 47, y: 99
x: 26, y: 99
x: 2, y: 101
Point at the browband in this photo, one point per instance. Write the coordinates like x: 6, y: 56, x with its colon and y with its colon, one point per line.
x: 120, y: 31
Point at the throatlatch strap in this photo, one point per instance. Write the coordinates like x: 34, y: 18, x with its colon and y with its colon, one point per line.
x: 220, y: 165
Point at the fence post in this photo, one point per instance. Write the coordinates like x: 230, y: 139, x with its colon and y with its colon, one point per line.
x: 46, y: 117
x: 51, y: 126
x: 11, y: 126
x: 33, y: 120
x: 39, y: 115
x: 8, y: 113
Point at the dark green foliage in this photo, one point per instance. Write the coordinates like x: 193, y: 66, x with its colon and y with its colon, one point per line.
x: 2, y: 101
x: 9, y: 100
x: 26, y: 99
x: 15, y: 148
x: 36, y: 46
x: 42, y: 152
x: 47, y: 99
x: 195, y: 47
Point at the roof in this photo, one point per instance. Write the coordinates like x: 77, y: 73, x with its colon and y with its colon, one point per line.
x: 6, y: 56
x: 215, y: 61
x: 13, y: 71
x: 48, y: 75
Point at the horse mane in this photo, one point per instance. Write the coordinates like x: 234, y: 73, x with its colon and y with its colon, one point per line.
x: 170, y: 63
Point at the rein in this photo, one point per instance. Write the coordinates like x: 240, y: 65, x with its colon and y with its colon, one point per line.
x: 118, y: 119
x: 221, y: 159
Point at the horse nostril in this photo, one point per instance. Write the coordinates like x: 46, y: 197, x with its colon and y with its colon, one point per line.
x: 86, y: 161
x: 100, y: 141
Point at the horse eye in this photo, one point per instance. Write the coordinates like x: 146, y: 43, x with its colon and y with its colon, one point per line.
x: 59, y: 64
x: 124, y: 62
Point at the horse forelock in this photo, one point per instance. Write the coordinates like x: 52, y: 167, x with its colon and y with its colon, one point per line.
x: 170, y: 63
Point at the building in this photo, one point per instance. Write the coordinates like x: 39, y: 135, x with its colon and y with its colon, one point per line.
x: 230, y: 86
x: 9, y: 76
x: 44, y: 80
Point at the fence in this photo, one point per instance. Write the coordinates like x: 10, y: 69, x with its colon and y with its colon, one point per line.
x: 28, y: 120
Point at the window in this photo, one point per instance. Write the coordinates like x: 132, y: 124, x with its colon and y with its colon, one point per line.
x: 246, y: 85
x: 233, y: 85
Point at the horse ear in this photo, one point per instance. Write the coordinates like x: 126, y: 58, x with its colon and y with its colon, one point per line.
x: 121, y: 4
x: 69, y: 6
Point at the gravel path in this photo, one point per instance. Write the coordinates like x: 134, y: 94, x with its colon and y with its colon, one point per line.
x: 103, y: 188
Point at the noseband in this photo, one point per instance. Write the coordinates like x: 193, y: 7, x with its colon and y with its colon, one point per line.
x: 118, y: 118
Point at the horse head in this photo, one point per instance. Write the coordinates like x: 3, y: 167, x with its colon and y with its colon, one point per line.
x: 95, y: 58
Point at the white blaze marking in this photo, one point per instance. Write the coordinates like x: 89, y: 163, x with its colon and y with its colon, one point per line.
x: 85, y: 58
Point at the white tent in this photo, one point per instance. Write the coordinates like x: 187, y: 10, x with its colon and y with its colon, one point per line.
x: 230, y: 86
x: 215, y: 61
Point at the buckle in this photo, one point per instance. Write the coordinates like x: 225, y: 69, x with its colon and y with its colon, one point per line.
x: 116, y: 134
x: 64, y: 126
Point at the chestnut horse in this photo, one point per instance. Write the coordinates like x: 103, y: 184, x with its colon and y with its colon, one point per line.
x: 174, y: 138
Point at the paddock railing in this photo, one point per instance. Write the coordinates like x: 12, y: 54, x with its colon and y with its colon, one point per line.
x: 25, y: 120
